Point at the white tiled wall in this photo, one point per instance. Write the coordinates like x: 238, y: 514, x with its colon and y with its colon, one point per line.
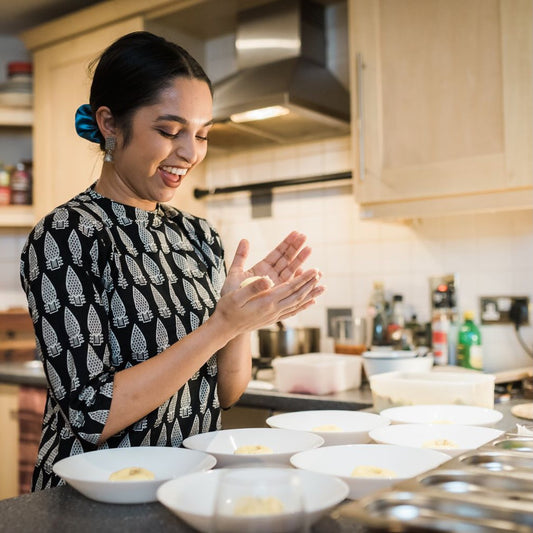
x: 491, y: 254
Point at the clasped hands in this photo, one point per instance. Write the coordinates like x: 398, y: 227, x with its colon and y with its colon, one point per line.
x: 262, y: 303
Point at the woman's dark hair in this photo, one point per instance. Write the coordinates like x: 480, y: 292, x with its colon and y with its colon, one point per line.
x: 133, y: 71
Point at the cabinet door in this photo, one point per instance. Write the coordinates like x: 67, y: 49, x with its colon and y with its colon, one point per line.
x: 65, y: 164
x: 443, y: 103
x: 9, y: 441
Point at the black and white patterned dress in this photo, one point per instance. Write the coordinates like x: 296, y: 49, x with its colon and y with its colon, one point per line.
x: 109, y: 286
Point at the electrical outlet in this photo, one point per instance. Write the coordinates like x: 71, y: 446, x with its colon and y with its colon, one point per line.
x: 334, y: 313
x: 499, y: 309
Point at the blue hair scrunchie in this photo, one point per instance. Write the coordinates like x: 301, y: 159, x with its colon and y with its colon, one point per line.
x: 86, y: 126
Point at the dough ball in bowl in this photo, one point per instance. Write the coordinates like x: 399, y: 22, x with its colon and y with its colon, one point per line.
x: 334, y: 426
x: 253, y: 446
x: 367, y: 468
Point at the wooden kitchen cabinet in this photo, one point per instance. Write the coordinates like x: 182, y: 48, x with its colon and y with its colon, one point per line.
x: 63, y: 163
x: 9, y: 441
x: 442, y: 105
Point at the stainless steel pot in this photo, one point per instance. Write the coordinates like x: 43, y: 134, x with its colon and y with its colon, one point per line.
x: 288, y: 341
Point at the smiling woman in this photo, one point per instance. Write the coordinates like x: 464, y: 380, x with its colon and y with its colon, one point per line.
x: 143, y: 330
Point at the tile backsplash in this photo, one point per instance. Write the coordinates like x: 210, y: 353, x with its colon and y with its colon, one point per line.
x: 491, y: 253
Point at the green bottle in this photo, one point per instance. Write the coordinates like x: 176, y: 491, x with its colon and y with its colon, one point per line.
x: 469, y: 350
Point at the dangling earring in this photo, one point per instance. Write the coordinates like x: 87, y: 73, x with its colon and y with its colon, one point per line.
x: 110, y: 143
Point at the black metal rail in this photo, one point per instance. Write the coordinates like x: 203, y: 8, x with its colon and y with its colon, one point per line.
x: 269, y: 185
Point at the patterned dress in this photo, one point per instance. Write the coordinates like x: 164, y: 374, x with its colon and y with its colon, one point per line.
x: 109, y: 286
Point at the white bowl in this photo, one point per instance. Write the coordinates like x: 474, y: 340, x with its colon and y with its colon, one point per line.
x: 349, y: 427
x: 223, y: 444
x: 340, y: 461
x: 379, y: 364
x: 390, y: 354
x: 192, y: 497
x: 464, y: 415
x: 89, y: 472
x: 451, y: 439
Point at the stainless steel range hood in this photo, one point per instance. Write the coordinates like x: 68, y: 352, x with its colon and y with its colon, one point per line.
x: 281, y: 59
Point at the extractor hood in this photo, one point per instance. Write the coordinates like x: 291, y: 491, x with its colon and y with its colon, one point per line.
x: 281, y: 59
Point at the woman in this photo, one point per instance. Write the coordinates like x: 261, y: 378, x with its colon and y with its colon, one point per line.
x: 143, y: 334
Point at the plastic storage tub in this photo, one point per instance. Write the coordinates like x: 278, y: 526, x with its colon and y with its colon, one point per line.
x: 393, y: 389
x: 317, y: 373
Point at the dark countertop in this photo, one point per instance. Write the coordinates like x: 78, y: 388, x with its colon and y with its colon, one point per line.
x: 25, y: 373
x: 32, y: 374
x: 64, y: 508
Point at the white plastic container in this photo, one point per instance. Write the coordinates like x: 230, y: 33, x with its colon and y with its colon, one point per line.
x: 393, y: 389
x: 317, y: 373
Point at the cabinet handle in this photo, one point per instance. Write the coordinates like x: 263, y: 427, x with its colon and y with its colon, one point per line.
x: 360, y: 115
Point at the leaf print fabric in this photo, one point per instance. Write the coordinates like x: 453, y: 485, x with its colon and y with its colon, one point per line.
x: 109, y: 286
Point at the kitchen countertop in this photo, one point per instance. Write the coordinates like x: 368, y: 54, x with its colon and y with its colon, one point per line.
x: 31, y: 373
x: 66, y: 509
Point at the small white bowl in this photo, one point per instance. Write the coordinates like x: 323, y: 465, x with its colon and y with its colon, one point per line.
x: 283, y: 443
x: 89, y: 472
x: 390, y: 354
x: 340, y: 461
x: 347, y: 427
x: 395, y: 361
x: 464, y: 415
x: 451, y: 439
x: 192, y: 498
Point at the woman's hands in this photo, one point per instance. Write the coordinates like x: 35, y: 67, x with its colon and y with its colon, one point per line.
x: 280, y: 265
x: 259, y: 304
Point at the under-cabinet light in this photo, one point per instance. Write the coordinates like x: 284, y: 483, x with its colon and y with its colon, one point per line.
x: 260, y: 114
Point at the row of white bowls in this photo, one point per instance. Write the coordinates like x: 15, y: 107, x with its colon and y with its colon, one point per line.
x: 324, y: 460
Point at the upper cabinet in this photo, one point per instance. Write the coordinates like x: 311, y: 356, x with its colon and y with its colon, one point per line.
x: 63, y: 50
x: 65, y: 164
x: 442, y: 105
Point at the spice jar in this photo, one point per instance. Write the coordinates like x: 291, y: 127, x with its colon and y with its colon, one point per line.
x: 5, y: 190
x: 18, y: 90
x: 21, y: 183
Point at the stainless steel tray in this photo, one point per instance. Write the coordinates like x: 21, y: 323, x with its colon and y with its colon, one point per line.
x: 485, y: 490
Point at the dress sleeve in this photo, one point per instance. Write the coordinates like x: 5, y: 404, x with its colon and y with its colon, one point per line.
x: 64, y: 271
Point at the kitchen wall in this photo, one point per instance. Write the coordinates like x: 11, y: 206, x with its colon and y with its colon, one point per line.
x: 491, y: 253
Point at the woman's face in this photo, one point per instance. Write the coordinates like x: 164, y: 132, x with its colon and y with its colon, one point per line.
x: 168, y: 139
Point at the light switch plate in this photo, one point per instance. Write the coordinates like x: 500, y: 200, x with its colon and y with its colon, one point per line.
x: 334, y: 313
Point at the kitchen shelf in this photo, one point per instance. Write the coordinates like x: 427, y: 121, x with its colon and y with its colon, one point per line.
x: 16, y: 117
x: 16, y: 216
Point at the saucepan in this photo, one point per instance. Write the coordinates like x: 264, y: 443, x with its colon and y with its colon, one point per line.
x: 282, y: 341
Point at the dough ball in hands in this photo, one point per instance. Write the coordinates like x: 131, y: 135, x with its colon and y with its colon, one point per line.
x: 251, y: 279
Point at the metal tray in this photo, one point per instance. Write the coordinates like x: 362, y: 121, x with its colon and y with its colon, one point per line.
x: 484, y: 490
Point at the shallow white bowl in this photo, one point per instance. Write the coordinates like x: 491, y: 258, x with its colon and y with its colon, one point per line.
x: 354, y: 425
x: 283, y: 443
x: 454, y: 439
x: 390, y: 354
x: 465, y: 415
x: 89, y: 472
x: 374, y: 364
x: 340, y: 461
x: 193, y: 497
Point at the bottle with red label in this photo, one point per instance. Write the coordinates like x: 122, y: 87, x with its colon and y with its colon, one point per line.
x: 5, y: 190
x: 440, y: 331
x: 21, y: 183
